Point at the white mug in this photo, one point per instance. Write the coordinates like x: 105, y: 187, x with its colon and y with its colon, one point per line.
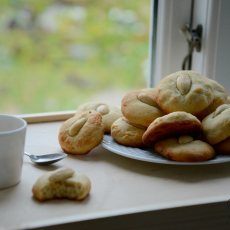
x: 12, y: 143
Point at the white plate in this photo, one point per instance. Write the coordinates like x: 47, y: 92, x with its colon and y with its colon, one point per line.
x: 150, y: 155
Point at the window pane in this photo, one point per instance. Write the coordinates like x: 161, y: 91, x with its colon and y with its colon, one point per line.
x: 56, y: 55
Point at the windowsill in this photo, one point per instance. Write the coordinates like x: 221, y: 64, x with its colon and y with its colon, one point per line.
x: 47, y: 117
x: 171, y: 193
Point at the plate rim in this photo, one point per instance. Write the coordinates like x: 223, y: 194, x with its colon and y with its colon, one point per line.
x: 167, y: 161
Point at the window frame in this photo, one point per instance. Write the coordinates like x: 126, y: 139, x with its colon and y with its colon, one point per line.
x: 171, y: 45
x: 170, y: 42
x: 207, y: 13
x: 213, y: 60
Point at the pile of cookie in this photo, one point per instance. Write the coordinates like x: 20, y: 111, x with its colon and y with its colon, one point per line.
x: 186, y: 118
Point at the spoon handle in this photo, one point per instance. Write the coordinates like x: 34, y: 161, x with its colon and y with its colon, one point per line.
x: 28, y: 154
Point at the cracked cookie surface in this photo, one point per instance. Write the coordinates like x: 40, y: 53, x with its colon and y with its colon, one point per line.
x: 81, y: 133
x: 126, y: 133
x: 216, y: 126
x: 186, y: 151
x: 140, y: 107
x: 109, y: 113
x: 172, y: 125
x: 184, y: 91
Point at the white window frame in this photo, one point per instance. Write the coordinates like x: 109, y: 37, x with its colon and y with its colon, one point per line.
x: 207, y: 13
x: 170, y: 42
x: 214, y: 59
x: 171, y: 45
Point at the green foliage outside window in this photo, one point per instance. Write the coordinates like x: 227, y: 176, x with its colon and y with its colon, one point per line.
x: 55, y: 55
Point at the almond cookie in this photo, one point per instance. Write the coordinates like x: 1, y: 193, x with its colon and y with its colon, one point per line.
x: 228, y: 100
x: 220, y: 97
x: 185, y: 149
x: 216, y: 126
x: 184, y: 91
x: 223, y: 147
x: 140, y: 107
x: 172, y: 125
x: 126, y: 133
x: 81, y: 133
x: 109, y: 113
x: 62, y: 183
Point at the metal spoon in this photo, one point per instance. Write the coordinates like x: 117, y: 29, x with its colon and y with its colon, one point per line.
x: 46, y: 159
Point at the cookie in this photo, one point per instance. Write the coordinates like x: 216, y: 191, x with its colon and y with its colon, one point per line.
x: 185, y: 149
x: 228, y: 100
x: 220, y: 97
x: 216, y: 126
x: 184, y: 91
x: 81, y: 133
x: 126, y: 133
x: 223, y: 147
x: 153, y: 90
x: 172, y: 125
x: 140, y: 107
x: 62, y: 183
x: 109, y: 113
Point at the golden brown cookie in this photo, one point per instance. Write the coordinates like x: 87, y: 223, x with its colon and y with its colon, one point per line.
x: 139, y: 107
x: 220, y: 97
x: 216, y: 126
x: 223, y: 147
x: 81, y: 133
x: 184, y: 91
x: 228, y: 100
x: 172, y: 125
x: 109, y: 113
x: 185, y: 149
x: 126, y: 133
x: 62, y: 183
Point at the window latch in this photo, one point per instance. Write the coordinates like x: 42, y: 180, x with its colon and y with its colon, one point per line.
x: 194, y: 40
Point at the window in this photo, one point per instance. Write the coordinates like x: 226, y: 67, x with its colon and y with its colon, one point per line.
x: 56, y: 55
x: 171, y: 45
